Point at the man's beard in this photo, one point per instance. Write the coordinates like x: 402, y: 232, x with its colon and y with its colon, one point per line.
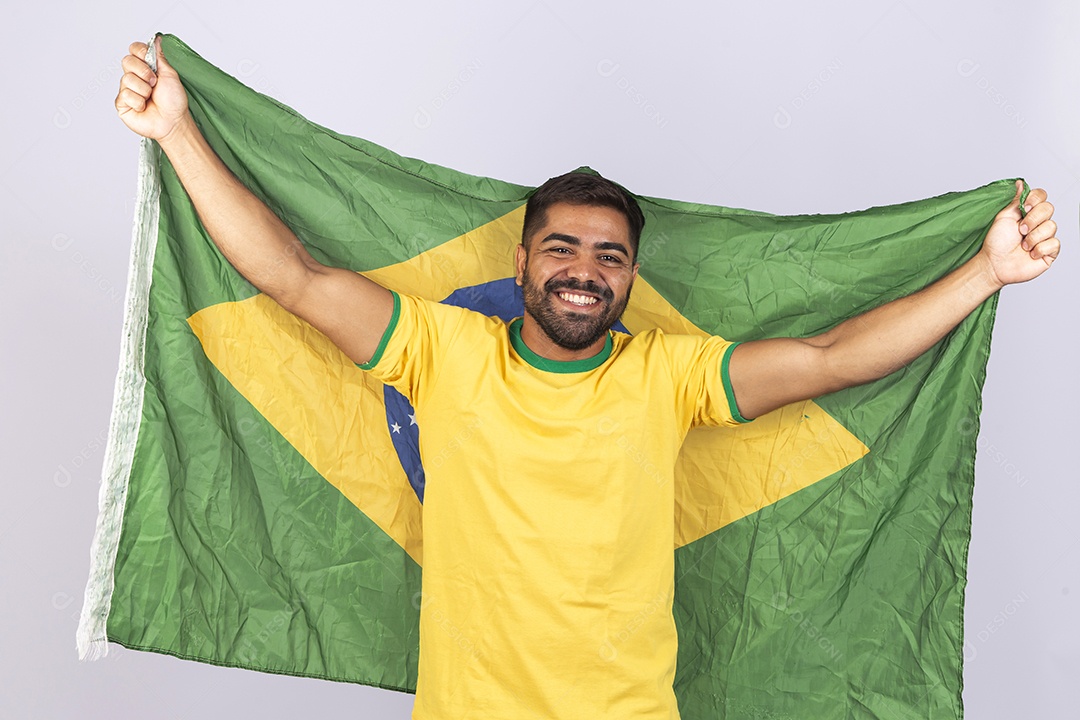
x: 568, y: 329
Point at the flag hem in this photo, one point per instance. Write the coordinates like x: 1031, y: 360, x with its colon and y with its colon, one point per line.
x: 970, y: 477
x: 90, y: 638
x: 260, y: 668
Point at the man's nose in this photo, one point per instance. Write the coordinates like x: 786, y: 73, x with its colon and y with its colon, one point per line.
x: 583, y: 268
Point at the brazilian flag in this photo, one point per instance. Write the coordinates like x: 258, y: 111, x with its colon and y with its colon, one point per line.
x: 259, y: 510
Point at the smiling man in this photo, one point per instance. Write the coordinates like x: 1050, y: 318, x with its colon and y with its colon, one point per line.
x: 577, y: 277
x: 548, y: 561
x: 548, y: 568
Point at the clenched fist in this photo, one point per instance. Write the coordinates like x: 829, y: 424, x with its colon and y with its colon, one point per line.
x: 152, y: 104
x: 1021, y: 247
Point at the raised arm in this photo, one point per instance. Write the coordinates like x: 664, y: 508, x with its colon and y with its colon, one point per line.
x: 768, y: 374
x: 347, y: 307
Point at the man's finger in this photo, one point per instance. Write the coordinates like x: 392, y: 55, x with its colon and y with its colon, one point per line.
x: 138, y: 66
x: 138, y: 49
x: 1040, y: 212
x: 128, y: 100
x: 136, y: 84
x: 1047, y: 249
x: 1036, y: 196
x: 1042, y: 232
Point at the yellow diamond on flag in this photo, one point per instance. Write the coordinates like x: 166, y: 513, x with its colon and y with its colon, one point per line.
x: 334, y: 414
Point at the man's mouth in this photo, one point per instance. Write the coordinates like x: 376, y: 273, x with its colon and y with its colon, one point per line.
x: 585, y: 296
x: 577, y: 299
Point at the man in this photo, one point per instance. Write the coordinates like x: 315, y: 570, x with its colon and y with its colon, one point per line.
x: 543, y: 541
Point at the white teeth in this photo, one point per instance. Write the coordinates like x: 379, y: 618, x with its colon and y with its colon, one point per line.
x: 577, y: 299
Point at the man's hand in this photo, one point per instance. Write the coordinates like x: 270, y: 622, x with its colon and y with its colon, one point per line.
x: 152, y: 104
x: 351, y: 310
x: 1022, y: 248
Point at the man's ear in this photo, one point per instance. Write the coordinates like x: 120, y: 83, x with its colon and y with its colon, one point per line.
x: 519, y: 263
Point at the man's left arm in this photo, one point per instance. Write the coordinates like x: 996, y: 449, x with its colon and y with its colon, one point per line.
x: 768, y: 374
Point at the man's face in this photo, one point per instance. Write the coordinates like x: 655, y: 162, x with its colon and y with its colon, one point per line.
x: 577, y: 273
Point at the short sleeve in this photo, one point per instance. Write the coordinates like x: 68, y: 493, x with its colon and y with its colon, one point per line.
x: 703, y: 384
x: 409, y: 353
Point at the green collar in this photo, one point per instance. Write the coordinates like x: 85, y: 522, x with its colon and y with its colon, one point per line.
x: 556, y: 366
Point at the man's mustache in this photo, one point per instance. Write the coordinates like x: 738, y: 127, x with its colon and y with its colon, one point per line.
x: 589, y: 286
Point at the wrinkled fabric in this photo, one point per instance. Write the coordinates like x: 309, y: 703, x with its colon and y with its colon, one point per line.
x: 269, y: 522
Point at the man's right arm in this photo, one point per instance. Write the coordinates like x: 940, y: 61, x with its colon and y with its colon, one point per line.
x: 348, y: 308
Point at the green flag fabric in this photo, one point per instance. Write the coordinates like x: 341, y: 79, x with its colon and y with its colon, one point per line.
x: 257, y: 511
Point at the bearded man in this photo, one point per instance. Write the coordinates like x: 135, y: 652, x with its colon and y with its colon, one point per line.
x: 547, y: 537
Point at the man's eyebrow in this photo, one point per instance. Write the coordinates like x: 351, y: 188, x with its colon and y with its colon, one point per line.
x: 569, y: 239
x: 618, y: 247
x: 573, y: 240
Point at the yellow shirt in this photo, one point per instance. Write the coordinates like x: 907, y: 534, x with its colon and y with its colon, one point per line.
x: 548, y: 512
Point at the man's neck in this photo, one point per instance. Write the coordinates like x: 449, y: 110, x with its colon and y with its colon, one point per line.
x: 540, y: 343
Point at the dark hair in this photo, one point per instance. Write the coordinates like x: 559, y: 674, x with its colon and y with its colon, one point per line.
x: 582, y: 188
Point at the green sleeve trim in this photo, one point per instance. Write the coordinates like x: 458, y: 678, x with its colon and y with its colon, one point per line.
x: 1023, y: 197
x: 385, y: 336
x: 728, y: 390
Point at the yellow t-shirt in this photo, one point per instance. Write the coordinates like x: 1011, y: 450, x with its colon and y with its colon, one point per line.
x: 548, y: 512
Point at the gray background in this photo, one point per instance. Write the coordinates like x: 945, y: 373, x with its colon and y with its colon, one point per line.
x: 787, y: 108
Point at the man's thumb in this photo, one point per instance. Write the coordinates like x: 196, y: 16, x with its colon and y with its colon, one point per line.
x: 163, y: 66
x: 1013, y: 210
